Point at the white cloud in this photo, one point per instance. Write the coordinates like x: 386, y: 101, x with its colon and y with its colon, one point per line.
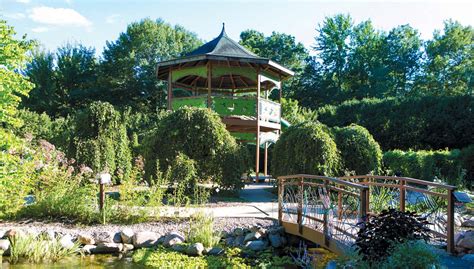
x: 15, y: 16
x: 23, y: 1
x: 58, y: 16
x: 40, y: 29
x: 112, y: 18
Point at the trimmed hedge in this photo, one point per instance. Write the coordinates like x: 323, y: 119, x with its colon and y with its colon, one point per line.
x: 305, y: 148
x: 199, y: 134
x: 428, y: 122
x: 448, y: 166
x: 359, y: 150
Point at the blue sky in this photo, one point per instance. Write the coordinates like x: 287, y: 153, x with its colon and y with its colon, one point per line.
x: 55, y: 22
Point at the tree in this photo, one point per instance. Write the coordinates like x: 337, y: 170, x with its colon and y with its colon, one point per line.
x: 281, y: 48
x: 449, y: 65
x: 128, y: 69
x: 13, y: 85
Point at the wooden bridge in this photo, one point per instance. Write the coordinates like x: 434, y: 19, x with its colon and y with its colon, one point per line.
x: 329, y: 211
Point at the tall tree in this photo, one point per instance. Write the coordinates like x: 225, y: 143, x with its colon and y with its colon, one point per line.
x: 450, y: 61
x: 128, y: 69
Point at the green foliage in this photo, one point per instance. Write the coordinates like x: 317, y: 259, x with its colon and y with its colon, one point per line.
x: 417, y: 123
x: 359, y: 151
x: 305, y: 149
x: 200, y: 135
x: 101, y: 140
x: 201, y: 230
x: 411, y: 254
x: 294, y: 113
x: 378, y: 235
x: 427, y: 165
x: 13, y: 85
x: 38, y: 249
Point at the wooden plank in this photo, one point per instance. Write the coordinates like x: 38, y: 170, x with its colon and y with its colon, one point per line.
x: 335, y: 180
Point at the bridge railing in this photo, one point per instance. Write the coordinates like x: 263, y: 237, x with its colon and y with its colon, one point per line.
x: 322, y: 209
x: 432, y: 200
x: 328, y: 210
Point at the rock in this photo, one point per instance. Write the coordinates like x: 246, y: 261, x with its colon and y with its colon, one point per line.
x: 127, y: 247
x: 88, y: 249
x: 179, y: 248
x: 172, y: 239
x: 458, y: 237
x: 117, y: 238
x: 2, y: 233
x: 85, y: 239
x: 238, y: 241
x: 458, y: 219
x: 48, y: 235
x: 468, y: 257
x: 66, y: 241
x: 468, y: 223
x: 467, y: 241
x: 195, y: 249
x: 276, y: 230
x: 145, y: 239
x: 275, y: 240
x: 238, y: 231
x: 257, y: 245
x: 215, y: 251
x: 4, y: 246
x: 229, y: 241
x: 107, y: 248
x: 252, y: 236
x: 13, y: 232
x: 127, y: 236
x: 255, y: 229
x: 103, y: 237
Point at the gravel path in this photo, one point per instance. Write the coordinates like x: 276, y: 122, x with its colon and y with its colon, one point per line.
x: 161, y: 227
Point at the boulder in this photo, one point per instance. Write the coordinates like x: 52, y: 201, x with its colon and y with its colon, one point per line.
x: 127, y: 236
x: 88, y: 249
x: 107, y: 248
x: 215, y: 251
x: 275, y: 240
x: 252, y: 236
x: 468, y: 223
x: 458, y: 219
x: 276, y: 230
x: 172, y: 239
x: 229, y: 241
x: 85, y: 239
x: 48, y: 235
x: 145, y: 239
x: 103, y: 237
x: 467, y: 241
x: 127, y: 247
x: 4, y: 246
x: 2, y: 233
x: 66, y: 241
x: 238, y: 241
x: 468, y: 257
x: 195, y: 249
x: 257, y: 245
x: 182, y: 248
x: 117, y: 238
x: 458, y: 237
x: 238, y: 231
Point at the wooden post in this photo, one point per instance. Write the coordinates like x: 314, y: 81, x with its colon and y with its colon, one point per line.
x: 325, y: 217
x: 450, y: 228
x: 367, y: 196
x: 300, y: 204
x: 280, y: 200
x: 170, y: 90
x: 363, y: 204
x: 402, y: 195
x: 265, y: 160
x: 280, y: 89
x: 339, y: 204
x: 257, y: 134
x: 101, y: 197
x: 209, y: 84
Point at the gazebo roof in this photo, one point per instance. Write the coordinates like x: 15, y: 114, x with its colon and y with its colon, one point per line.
x: 233, y: 66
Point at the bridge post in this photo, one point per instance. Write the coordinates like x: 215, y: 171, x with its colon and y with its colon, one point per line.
x: 300, y: 204
x: 280, y: 200
x: 450, y: 228
x: 402, y: 195
x: 363, y: 204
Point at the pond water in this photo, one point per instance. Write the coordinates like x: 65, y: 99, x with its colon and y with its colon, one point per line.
x: 90, y: 262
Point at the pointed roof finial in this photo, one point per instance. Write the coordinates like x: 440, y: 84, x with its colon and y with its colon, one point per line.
x: 223, y: 29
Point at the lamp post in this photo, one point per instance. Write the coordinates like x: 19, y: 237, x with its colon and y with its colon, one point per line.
x: 104, y: 179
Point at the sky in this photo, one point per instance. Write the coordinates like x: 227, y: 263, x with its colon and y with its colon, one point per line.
x: 92, y: 23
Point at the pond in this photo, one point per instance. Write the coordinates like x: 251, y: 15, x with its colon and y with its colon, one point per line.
x: 90, y: 262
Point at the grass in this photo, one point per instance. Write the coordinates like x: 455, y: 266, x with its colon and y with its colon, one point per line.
x: 38, y: 249
x: 202, y: 230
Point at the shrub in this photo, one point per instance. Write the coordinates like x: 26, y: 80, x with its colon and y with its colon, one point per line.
x: 200, y: 135
x: 427, y: 165
x: 378, y: 235
x: 359, y: 151
x: 411, y: 254
x: 305, y: 148
x: 467, y: 161
x: 101, y: 140
x: 201, y: 230
x: 430, y: 122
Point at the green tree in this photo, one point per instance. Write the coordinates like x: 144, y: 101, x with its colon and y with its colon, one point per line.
x: 128, y: 69
x: 450, y: 61
x: 13, y: 85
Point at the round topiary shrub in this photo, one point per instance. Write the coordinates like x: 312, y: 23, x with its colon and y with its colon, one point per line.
x: 305, y: 148
x: 359, y: 150
x: 199, y: 134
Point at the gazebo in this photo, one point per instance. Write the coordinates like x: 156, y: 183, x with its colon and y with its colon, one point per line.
x: 224, y: 76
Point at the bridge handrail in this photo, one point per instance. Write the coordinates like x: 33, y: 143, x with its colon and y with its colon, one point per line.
x: 406, y: 179
x: 332, y: 179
